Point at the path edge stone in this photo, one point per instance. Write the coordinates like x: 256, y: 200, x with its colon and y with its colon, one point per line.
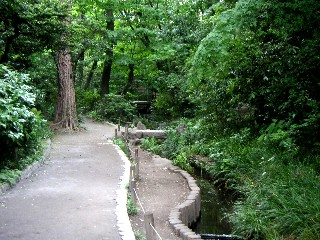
x: 123, y: 221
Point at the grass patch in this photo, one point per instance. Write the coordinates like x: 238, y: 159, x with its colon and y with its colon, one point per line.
x: 132, y: 208
x: 152, y: 145
x: 120, y: 142
x: 139, y: 235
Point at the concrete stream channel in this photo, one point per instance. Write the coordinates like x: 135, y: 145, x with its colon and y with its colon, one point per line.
x: 215, y: 203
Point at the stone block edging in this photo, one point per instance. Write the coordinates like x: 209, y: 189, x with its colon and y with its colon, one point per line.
x: 186, y: 213
x: 123, y: 221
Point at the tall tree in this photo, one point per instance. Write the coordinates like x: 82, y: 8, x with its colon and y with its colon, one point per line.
x: 107, y: 65
x: 66, y: 114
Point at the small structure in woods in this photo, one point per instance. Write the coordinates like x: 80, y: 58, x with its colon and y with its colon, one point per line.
x: 143, y: 107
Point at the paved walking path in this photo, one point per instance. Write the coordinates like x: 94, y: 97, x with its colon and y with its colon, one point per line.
x: 79, y: 194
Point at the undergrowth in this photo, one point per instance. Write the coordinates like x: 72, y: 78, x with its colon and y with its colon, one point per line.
x: 22, y: 127
x: 279, y: 189
x: 132, y: 208
x: 122, y: 145
x: 139, y: 235
x: 11, y: 170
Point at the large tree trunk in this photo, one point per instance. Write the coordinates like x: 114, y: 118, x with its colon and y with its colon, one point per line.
x: 130, y: 79
x: 106, y: 73
x: 90, y: 75
x: 107, y: 65
x: 66, y: 114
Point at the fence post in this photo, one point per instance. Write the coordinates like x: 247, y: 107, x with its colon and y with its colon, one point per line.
x: 148, y: 221
x: 132, y: 184
x: 132, y: 171
x: 126, y: 132
x: 136, y: 156
x: 132, y: 190
x: 115, y: 133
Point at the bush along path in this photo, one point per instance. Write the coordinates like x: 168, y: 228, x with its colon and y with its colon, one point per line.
x: 78, y: 194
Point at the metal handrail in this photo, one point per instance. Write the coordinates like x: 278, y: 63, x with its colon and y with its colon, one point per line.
x: 220, y: 237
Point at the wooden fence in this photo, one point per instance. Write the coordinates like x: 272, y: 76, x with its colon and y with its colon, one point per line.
x: 151, y: 232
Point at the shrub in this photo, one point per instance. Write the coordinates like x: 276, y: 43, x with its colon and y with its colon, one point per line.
x: 114, y: 107
x: 152, y: 145
x: 87, y: 100
x: 21, y: 124
x: 132, y: 208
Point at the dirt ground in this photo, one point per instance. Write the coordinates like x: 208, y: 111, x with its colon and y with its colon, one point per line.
x: 159, y: 190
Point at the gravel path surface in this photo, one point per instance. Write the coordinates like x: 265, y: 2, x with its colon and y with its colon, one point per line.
x: 78, y: 194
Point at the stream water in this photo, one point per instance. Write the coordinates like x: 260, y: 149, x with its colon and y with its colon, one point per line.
x: 215, y: 204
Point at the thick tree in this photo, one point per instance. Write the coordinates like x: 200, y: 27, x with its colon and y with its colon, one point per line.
x: 66, y: 114
x: 107, y: 65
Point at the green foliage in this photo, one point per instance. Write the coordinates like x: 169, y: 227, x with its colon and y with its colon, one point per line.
x: 151, y: 144
x: 248, y: 70
x: 122, y: 145
x: 278, y: 195
x: 21, y: 124
x: 280, y: 204
x: 44, y: 78
x: 139, y: 235
x: 260, y: 61
x: 112, y: 108
x: 132, y: 208
x: 87, y: 99
x: 28, y: 27
x: 9, y: 176
x: 277, y: 134
x: 172, y: 99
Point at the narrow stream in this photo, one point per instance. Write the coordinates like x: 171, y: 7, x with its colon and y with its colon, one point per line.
x: 215, y: 204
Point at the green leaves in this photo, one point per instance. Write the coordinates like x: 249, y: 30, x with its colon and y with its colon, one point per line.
x: 259, y: 54
x: 28, y: 27
x: 19, y: 121
x: 113, y: 107
x: 9, y: 176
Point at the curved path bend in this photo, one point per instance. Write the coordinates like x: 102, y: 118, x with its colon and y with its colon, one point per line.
x: 79, y: 194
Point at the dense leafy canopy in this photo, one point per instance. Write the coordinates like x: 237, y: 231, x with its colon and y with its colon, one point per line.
x: 27, y: 27
x: 245, y: 72
x: 262, y: 57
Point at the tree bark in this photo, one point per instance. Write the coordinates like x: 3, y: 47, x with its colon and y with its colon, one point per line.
x: 130, y: 79
x: 90, y: 75
x: 66, y: 114
x: 106, y: 73
x: 107, y: 65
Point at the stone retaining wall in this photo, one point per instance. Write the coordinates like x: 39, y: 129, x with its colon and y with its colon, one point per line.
x: 188, y: 212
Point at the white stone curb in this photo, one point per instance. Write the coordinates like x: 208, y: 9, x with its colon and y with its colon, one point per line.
x: 123, y: 221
